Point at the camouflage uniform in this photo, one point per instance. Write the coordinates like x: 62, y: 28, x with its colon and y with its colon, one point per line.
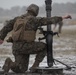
x: 22, y: 49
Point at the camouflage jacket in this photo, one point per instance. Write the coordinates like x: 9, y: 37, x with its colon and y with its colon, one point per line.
x: 33, y: 24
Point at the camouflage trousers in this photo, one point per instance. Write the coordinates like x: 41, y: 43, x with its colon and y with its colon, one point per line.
x: 22, y: 51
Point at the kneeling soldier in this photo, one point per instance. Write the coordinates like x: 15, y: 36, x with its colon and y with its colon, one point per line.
x: 24, y: 33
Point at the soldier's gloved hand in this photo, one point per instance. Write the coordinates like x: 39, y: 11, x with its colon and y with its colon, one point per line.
x: 1, y: 41
x: 67, y: 17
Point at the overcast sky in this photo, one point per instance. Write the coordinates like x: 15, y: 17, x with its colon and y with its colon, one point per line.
x: 7, y: 4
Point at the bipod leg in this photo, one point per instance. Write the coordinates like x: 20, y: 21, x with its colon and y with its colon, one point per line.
x: 68, y: 67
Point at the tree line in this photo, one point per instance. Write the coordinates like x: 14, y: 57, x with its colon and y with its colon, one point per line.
x: 57, y: 9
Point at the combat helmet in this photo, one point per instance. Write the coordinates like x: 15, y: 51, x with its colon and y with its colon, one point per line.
x: 34, y: 9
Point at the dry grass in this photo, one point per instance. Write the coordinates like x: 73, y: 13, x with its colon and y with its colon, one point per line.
x: 66, y: 43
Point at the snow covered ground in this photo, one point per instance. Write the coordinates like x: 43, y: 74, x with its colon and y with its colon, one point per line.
x: 64, y: 49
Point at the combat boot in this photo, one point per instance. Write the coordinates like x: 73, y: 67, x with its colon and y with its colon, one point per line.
x: 39, y: 57
x: 35, y: 65
x: 7, y: 65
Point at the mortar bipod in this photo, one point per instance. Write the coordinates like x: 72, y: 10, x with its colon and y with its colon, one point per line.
x: 46, y: 33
